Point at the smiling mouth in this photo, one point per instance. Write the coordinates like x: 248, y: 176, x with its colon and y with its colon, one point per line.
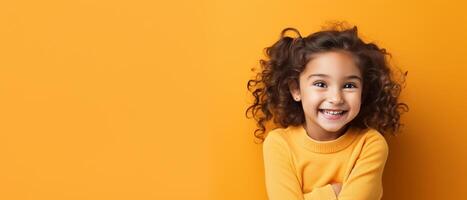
x: 333, y: 114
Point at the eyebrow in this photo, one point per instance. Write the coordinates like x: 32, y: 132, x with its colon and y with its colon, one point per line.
x: 327, y: 76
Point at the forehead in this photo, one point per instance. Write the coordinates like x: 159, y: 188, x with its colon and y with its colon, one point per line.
x: 335, y: 64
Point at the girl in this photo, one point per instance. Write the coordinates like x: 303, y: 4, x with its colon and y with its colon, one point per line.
x: 333, y: 96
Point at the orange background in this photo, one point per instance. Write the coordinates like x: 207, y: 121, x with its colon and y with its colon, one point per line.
x: 146, y: 99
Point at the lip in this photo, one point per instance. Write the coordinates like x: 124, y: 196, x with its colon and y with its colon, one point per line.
x: 332, y: 117
x: 332, y: 109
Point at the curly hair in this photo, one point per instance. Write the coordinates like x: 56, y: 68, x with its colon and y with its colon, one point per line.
x: 287, y: 58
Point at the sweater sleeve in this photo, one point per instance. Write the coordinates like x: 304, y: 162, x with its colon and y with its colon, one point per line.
x: 326, y: 193
x: 280, y: 174
x: 365, y: 179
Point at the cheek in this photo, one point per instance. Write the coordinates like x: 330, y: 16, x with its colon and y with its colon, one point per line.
x: 311, y: 101
x: 312, y: 97
x: 355, y: 100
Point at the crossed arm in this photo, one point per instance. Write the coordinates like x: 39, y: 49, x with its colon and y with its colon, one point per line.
x: 363, y: 183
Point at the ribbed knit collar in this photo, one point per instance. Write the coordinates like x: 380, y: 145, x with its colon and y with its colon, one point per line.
x: 325, y: 146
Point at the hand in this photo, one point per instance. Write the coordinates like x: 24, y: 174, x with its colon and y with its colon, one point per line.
x: 337, y: 188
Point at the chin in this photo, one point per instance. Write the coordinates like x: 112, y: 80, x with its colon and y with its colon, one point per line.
x: 332, y: 128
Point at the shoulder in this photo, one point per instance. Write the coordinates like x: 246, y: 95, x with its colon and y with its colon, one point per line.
x: 374, y: 142
x: 276, y: 136
x: 284, y: 135
x: 373, y: 135
x: 279, y: 138
x: 276, y: 147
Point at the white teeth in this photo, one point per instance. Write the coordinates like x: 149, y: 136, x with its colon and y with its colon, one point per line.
x: 333, y: 112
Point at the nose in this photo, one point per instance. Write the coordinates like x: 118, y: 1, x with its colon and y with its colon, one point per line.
x: 335, y: 97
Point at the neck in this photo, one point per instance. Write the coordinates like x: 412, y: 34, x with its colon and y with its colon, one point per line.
x: 317, y: 133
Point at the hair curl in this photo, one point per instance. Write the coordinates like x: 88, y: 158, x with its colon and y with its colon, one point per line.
x: 287, y: 58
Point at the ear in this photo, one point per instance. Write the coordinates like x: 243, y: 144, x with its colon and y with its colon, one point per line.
x: 294, y: 90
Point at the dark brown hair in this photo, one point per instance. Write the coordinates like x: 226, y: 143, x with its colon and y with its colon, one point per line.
x: 287, y: 58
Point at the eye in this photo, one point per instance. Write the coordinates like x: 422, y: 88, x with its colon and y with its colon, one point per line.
x: 319, y: 84
x: 350, y: 85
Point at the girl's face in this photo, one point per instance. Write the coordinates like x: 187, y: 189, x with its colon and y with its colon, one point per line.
x: 330, y: 92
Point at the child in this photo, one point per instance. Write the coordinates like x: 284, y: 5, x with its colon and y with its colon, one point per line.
x: 333, y: 97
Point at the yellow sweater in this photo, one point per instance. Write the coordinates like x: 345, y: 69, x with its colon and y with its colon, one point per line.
x: 299, y: 167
